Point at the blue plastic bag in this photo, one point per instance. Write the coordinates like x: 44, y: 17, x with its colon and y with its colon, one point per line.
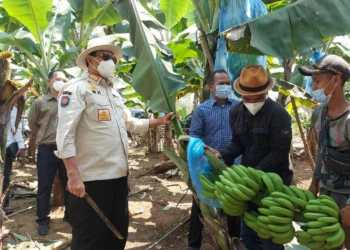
x: 198, y: 164
x: 234, y: 13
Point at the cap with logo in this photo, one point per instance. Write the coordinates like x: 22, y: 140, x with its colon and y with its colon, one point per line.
x: 328, y: 64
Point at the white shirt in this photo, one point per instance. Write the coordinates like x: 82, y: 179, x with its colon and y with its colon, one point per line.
x: 17, y: 137
x: 93, y: 124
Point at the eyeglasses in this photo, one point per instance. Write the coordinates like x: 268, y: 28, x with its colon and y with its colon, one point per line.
x: 107, y: 56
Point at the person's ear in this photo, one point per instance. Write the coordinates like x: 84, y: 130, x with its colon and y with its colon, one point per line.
x: 89, y: 59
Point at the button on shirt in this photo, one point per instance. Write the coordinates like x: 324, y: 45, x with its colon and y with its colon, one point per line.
x: 210, y: 123
x: 17, y: 137
x: 93, y: 124
x: 42, y: 119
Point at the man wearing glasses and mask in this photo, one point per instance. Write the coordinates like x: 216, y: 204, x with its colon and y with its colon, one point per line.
x: 93, y: 143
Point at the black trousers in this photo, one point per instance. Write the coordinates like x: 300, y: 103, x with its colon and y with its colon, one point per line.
x: 11, y: 152
x: 196, y: 226
x: 89, y: 230
x: 47, y: 165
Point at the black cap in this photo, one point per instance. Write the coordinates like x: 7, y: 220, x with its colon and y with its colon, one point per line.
x: 328, y: 63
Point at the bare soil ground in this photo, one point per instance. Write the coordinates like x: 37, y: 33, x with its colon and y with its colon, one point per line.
x: 145, y: 228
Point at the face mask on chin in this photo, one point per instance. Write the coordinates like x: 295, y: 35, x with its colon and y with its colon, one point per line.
x: 254, y: 107
x: 105, y: 68
x: 320, y: 96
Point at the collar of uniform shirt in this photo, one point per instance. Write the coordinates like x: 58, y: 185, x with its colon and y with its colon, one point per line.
x: 212, y: 101
x: 49, y: 96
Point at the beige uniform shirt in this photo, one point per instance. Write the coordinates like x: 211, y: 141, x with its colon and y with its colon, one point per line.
x: 42, y: 119
x: 93, y: 124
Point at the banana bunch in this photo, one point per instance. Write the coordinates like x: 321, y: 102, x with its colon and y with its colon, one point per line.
x: 323, y: 230
x: 208, y: 186
x: 273, y: 182
x: 299, y: 197
x: 276, y: 218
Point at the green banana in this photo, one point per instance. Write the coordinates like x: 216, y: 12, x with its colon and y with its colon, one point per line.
x: 316, y: 224
x: 246, y: 171
x: 228, y: 176
x: 282, y: 211
x: 257, y: 177
x: 220, y: 186
x: 250, y: 216
x: 289, y: 235
x: 264, y: 231
x: 264, y: 219
x: 262, y: 235
x: 322, y: 237
x: 265, y: 211
x: 300, y: 194
x: 239, y: 171
x: 314, y: 244
x: 314, y: 216
x: 286, y: 204
x: 268, y: 202
x: 313, y: 209
x: 262, y: 225
x: 288, y: 192
x: 235, y: 176
x: 279, y: 241
x: 332, y: 228
x: 280, y: 220
x: 303, y: 234
x: 225, y: 181
x: 330, y: 204
x: 310, y: 196
x: 315, y: 231
x: 299, y: 202
x: 280, y: 228
x: 239, y: 195
x: 251, y: 224
x: 251, y: 184
x: 277, y: 181
x: 229, y: 201
x: 207, y: 184
x: 315, y: 202
x: 268, y: 183
x: 329, y: 211
x: 326, y: 197
x: 277, y: 194
x: 230, y: 197
x: 249, y: 192
x: 328, y: 220
x: 209, y: 194
x: 303, y: 241
x: 336, y: 237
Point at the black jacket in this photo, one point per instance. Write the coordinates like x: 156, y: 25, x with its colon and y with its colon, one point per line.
x: 263, y: 140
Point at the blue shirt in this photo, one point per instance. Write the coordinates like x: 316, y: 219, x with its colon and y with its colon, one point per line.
x: 210, y: 123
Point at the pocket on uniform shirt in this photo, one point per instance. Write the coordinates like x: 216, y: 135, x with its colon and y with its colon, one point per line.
x: 261, y: 138
x: 99, y: 108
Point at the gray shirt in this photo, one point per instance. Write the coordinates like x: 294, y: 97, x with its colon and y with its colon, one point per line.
x: 339, y: 138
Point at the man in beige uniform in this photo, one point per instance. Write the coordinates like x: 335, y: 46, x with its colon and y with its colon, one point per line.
x: 92, y: 141
x: 42, y: 120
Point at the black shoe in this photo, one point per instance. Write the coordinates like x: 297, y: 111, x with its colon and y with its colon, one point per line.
x: 43, y: 229
x: 7, y: 209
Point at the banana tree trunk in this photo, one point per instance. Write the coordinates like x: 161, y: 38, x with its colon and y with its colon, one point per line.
x: 58, y: 196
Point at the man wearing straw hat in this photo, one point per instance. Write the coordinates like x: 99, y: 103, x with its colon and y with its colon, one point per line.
x: 262, y: 134
x: 92, y: 140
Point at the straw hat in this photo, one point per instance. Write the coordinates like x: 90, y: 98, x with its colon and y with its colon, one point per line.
x: 253, y: 81
x: 98, y: 44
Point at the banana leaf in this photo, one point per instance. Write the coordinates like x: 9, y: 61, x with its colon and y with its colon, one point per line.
x: 153, y: 78
x: 174, y: 10
x: 299, y: 27
x: 292, y: 90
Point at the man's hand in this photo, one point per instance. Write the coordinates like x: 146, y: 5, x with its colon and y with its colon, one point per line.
x: 213, y: 151
x: 314, y: 187
x: 165, y: 120
x: 345, y: 216
x: 20, y: 153
x: 75, y: 184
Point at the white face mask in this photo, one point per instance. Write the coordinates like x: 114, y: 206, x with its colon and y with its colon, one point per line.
x: 57, y: 85
x: 105, y: 68
x: 254, y: 107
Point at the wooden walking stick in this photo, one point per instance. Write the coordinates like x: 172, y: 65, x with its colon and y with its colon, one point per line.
x: 103, y: 216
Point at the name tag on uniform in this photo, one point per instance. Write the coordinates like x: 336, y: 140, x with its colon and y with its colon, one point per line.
x: 104, y: 115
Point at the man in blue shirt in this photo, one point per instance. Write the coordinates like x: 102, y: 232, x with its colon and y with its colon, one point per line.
x: 210, y: 123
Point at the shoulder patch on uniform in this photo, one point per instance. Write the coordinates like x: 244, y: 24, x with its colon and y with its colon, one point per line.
x: 285, y: 131
x: 93, y: 87
x: 65, y: 101
x: 67, y: 93
x: 93, y: 77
